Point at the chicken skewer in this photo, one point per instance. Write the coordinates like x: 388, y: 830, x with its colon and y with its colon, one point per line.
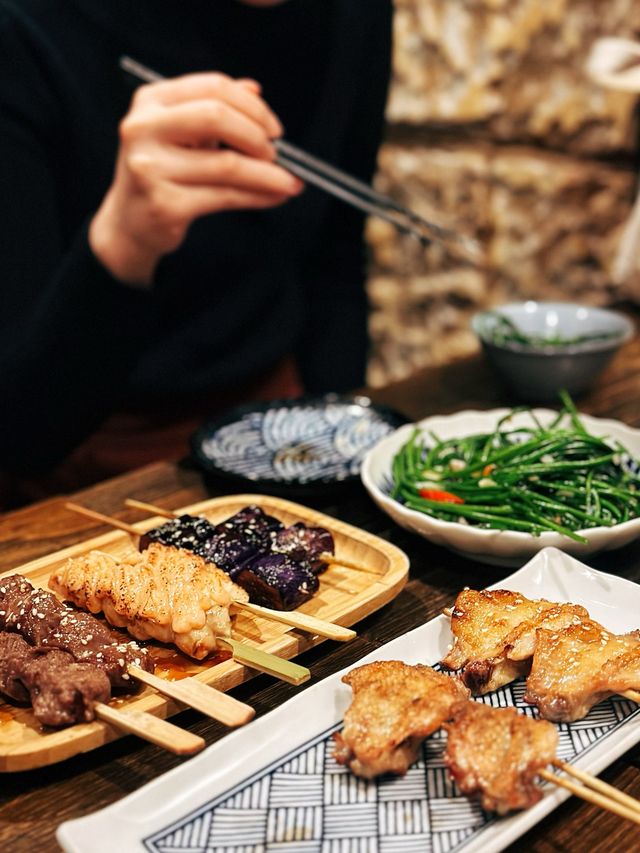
x: 46, y: 622
x: 574, y: 669
x: 324, y: 556
x: 169, y: 595
x: 496, y: 753
x: 301, y: 621
x: 395, y: 707
x: 494, y: 634
x: 500, y: 635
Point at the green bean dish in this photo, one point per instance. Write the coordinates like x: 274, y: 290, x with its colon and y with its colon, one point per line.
x: 536, y: 478
x: 504, y: 332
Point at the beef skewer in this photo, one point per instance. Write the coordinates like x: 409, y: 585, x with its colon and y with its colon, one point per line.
x: 170, y: 595
x: 63, y: 692
x: 312, y: 543
x: 269, y: 567
x: 46, y: 622
x: 496, y: 753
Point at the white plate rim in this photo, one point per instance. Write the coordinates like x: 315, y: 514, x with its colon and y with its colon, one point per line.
x: 551, y: 573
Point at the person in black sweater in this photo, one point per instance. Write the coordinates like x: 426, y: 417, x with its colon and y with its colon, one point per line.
x: 156, y: 264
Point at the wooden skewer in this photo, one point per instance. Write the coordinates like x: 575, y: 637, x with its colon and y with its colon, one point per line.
x: 634, y: 695
x: 592, y: 796
x: 255, y: 658
x: 154, y: 729
x: 598, y: 785
x: 339, y: 562
x: 105, y: 519
x: 214, y: 703
x: 302, y: 621
x: 325, y: 556
x: 156, y: 510
x: 262, y: 661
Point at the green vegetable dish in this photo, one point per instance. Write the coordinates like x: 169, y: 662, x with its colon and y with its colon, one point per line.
x: 505, y: 332
x: 533, y: 478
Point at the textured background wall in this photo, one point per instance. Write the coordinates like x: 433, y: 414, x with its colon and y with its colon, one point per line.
x: 495, y: 128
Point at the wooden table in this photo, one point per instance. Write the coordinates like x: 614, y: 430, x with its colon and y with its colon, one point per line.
x: 33, y: 803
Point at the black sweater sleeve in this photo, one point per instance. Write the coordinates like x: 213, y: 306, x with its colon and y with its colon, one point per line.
x: 74, y: 342
x: 68, y: 331
x: 336, y: 308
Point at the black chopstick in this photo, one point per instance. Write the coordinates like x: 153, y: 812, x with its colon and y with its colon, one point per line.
x: 347, y: 188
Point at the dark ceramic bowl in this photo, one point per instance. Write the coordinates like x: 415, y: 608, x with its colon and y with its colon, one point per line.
x: 541, y: 348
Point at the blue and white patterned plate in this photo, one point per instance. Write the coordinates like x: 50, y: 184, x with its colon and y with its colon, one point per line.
x: 275, y: 786
x: 303, y: 443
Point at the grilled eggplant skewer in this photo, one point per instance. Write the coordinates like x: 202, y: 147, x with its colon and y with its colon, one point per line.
x: 315, y: 545
x: 277, y: 567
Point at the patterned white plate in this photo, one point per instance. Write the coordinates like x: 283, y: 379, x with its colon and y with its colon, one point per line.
x: 307, y: 443
x: 274, y: 785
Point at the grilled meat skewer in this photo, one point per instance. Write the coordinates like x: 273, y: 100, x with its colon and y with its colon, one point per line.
x: 572, y: 662
x: 164, y: 593
x: 578, y: 667
x: 46, y: 622
x: 170, y: 595
x: 61, y: 690
x: 395, y: 706
x: 494, y: 634
x: 496, y: 753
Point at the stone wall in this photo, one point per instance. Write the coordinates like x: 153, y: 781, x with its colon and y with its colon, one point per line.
x: 494, y: 128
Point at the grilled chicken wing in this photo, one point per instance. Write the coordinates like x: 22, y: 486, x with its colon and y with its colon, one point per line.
x: 496, y: 753
x: 395, y: 706
x: 167, y: 594
x: 577, y: 667
x: 494, y: 634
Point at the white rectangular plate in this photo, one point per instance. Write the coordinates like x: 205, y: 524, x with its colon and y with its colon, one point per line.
x: 274, y: 785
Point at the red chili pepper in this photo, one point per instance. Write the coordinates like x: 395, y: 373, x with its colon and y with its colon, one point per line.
x: 488, y: 469
x: 443, y: 497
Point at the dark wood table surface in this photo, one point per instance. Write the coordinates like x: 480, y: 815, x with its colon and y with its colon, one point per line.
x: 33, y: 803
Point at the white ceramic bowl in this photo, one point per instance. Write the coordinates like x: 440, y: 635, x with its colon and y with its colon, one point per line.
x: 537, y: 372
x: 498, y: 547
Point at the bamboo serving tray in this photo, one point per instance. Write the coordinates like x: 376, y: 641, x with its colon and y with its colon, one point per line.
x: 345, y: 596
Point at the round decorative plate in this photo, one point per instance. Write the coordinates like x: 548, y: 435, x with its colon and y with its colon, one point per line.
x: 304, y: 443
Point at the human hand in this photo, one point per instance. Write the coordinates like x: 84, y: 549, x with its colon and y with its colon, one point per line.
x: 189, y: 146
